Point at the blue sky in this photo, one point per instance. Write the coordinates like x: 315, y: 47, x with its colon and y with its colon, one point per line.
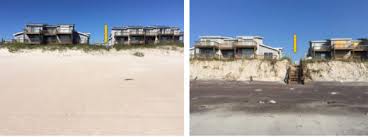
x: 278, y: 20
x: 89, y: 15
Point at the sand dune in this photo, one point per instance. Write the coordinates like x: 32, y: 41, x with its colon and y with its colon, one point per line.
x: 77, y: 93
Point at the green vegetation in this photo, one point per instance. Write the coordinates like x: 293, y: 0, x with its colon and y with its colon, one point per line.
x: 235, y: 59
x: 15, y: 47
x: 305, y: 61
x: 173, y: 45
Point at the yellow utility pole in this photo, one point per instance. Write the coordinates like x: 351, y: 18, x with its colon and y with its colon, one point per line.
x: 106, y: 31
x: 295, y: 47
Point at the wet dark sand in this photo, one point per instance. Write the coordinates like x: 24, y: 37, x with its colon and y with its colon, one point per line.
x: 266, y: 108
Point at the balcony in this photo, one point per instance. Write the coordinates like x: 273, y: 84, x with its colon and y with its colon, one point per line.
x: 227, y: 45
x: 245, y: 44
x: 200, y: 44
x: 136, y: 33
x: 32, y: 31
x: 120, y: 33
x: 342, y: 46
x: 178, y: 33
x: 50, y: 32
x: 64, y: 31
x: 360, y: 48
x: 148, y: 33
x: 167, y: 32
x: 322, y: 48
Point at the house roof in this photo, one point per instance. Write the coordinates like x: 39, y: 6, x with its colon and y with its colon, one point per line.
x: 215, y: 37
x: 18, y: 33
x: 36, y: 24
x: 237, y: 37
x: 341, y: 39
x: 277, y: 49
x: 47, y: 25
x: 143, y: 27
x: 318, y: 41
x: 84, y: 34
x: 250, y: 37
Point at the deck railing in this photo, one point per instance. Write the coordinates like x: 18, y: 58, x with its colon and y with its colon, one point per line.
x: 342, y: 46
x: 206, y: 43
x: 64, y: 31
x: 33, y: 31
x: 321, y: 48
x: 249, y: 43
x: 121, y: 33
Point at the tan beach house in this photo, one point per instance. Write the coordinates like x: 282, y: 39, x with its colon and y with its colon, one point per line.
x: 339, y: 48
x: 238, y: 47
x: 139, y: 35
x: 51, y: 34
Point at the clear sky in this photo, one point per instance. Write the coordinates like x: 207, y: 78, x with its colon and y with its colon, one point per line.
x: 278, y: 20
x: 89, y: 15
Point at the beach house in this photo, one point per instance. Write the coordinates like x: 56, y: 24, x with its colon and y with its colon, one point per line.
x: 238, y: 47
x: 339, y: 48
x: 139, y: 35
x: 51, y: 34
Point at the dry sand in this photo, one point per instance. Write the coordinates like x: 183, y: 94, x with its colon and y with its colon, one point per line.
x: 75, y: 93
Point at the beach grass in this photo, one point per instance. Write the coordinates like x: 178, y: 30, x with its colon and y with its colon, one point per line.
x: 15, y: 47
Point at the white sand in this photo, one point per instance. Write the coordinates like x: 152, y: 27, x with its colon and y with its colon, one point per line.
x: 74, y: 93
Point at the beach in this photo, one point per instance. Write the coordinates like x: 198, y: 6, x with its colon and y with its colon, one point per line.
x: 97, y: 93
x: 271, y: 108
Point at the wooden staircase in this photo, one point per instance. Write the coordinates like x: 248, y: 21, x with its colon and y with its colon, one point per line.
x: 294, y: 74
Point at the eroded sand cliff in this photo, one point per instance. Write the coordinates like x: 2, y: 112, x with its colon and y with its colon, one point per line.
x: 342, y: 71
x: 241, y: 70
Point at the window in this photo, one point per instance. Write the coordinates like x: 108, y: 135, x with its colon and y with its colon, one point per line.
x: 206, y: 52
x: 268, y: 55
x: 323, y: 55
x: 246, y: 53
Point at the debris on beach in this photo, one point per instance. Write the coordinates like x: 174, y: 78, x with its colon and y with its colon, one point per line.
x: 272, y: 101
x: 267, y: 101
x: 258, y: 90
x: 331, y: 102
x: 138, y: 54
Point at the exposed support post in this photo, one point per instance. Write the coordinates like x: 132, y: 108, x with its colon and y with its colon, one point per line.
x: 235, y: 53
x: 72, y: 39
x: 254, y: 53
x: 156, y: 39
x: 214, y: 52
x: 128, y: 40
x: 195, y: 52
